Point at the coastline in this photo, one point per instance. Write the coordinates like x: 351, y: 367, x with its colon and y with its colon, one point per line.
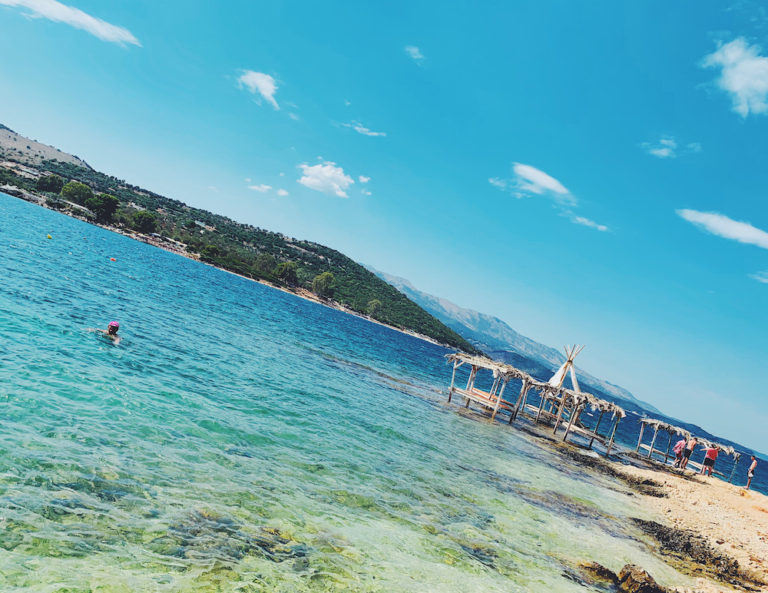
x: 299, y: 292
x: 732, y: 524
x: 732, y: 521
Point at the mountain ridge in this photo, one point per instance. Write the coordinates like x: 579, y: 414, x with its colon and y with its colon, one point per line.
x: 501, y: 342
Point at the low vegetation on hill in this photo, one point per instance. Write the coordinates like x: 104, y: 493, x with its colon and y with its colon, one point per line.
x: 241, y: 248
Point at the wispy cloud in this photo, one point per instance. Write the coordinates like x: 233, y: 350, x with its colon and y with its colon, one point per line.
x: 667, y: 147
x: 588, y: 223
x: 722, y: 226
x: 528, y: 181
x: 282, y: 192
x: 61, y: 13
x: 365, y: 192
x: 414, y: 53
x: 361, y: 129
x: 761, y: 277
x: 326, y: 177
x: 262, y: 188
x: 259, y: 83
x: 743, y: 75
x: 363, y: 179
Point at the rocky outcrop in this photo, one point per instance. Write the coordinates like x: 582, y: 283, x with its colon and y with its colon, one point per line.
x: 633, y: 579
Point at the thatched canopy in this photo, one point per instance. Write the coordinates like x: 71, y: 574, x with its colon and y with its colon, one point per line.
x: 672, y: 429
x: 547, y: 391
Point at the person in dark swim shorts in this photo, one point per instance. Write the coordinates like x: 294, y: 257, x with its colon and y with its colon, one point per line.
x: 689, y: 447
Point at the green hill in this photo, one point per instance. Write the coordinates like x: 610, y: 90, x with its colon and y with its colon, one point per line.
x: 253, y: 252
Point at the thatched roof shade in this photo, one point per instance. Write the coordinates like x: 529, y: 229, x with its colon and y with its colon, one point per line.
x: 672, y: 429
x: 547, y: 391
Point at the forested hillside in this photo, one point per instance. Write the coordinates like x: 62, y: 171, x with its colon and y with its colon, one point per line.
x: 241, y: 248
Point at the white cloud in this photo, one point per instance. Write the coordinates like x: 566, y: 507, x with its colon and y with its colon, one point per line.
x: 248, y: 180
x: 261, y: 188
x: 294, y: 117
x: 722, y: 226
x: 365, y: 192
x: 363, y: 179
x: 760, y: 277
x: 743, y: 75
x: 529, y: 181
x: 667, y: 147
x: 361, y: 129
x: 414, y: 53
x: 258, y: 82
x: 61, y: 13
x: 326, y: 178
x: 282, y: 192
x: 589, y: 223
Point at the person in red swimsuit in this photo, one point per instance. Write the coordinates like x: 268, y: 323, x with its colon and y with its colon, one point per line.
x: 709, y: 460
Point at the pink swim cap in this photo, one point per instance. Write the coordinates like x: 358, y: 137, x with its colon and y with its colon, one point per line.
x: 114, y: 324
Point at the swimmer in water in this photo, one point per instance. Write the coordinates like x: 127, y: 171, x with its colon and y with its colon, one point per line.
x: 111, y: 331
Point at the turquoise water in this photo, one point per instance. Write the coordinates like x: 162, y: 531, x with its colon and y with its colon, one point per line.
x: 242, y: 439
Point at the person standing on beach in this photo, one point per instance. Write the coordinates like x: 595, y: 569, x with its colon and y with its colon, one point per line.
x: 751, y: 471
x: 689, y: 447
x: 709, y: 460
x: 678, y: 449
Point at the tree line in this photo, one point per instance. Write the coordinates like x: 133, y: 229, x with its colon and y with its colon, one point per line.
x: 241, y: 248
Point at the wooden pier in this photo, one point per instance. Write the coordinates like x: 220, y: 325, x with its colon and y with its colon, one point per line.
x: 557, y: 405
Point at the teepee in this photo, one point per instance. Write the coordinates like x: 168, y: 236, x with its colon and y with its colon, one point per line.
x: 557, y: 379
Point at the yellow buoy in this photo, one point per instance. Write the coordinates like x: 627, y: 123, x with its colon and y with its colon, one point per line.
x: 50, y: 237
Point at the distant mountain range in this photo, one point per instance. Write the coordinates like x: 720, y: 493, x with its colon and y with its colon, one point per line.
x: 501, y: 342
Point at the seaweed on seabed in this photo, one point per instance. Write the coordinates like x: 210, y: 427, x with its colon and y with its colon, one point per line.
x: 206, y: 535
x: 693, y: 555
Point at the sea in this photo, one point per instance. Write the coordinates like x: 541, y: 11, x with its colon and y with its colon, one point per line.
x: 242, y: 439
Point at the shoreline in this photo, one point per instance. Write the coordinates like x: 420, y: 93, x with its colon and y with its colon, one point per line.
x: 731, y: 520
x: 301, y: 293
x: 706, y: 529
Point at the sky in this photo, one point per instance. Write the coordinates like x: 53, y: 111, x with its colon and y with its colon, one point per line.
x: 590, y: 172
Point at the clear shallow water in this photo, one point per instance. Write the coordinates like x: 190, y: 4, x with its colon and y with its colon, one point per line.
x: 242, y: 439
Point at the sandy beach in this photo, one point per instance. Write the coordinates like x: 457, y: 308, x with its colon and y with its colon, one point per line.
x: 733, y: 521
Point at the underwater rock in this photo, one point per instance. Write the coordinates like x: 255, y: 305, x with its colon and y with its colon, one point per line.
x: 695, y: 556
x: 597, y: 573
x: 642, y: 486
x: 205, y: 535
x: 633, y: 579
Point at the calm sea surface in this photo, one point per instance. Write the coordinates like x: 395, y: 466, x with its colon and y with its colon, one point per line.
x: 242, y: 439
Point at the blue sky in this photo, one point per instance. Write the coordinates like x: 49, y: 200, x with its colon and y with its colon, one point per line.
x: 590, y: 172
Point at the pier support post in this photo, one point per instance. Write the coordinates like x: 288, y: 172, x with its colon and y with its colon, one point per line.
x: 453, y: 379
x: 669, y: 444
x: 498, y: 400
x: 594, y: 432
x: 733, y: 471
x: 575, y: 411
x: 640, y: 440
x: 560, y: 413
x: 541, y: 405
x: 520, y: 403
x: 613, y: 434
x: 653, y: 441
